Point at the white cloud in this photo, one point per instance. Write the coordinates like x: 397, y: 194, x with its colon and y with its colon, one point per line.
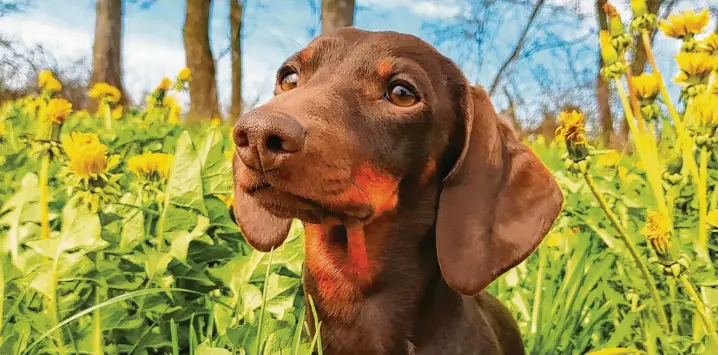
x: 425, y: 8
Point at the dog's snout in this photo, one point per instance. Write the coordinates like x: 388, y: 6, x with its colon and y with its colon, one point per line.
x: 265, y: 139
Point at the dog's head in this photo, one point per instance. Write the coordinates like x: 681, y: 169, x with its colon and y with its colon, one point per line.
x: 356, y: 116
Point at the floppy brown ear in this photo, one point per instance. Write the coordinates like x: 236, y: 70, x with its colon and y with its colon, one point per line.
x: 497, y: 204
x: 262, y: 230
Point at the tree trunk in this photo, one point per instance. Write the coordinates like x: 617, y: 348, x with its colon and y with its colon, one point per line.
x: 198, y: 55
x: 107, y: 49
x: 603, y: 92
x: 337, y: 13
x: 235, y: 18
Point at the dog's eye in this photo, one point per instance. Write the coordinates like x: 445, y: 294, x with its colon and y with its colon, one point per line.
x: 401, y: 95
x: 288, y: 81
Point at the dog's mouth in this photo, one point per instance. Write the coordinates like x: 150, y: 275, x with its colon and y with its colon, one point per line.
x: 285, y: 204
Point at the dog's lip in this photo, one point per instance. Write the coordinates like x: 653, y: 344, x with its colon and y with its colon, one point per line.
x: 270, y: 197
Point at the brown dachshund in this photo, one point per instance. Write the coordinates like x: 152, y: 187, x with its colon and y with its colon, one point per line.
x: 413, y: 193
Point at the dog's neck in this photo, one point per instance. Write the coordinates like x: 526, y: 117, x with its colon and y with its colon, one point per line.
x: 369, y: 281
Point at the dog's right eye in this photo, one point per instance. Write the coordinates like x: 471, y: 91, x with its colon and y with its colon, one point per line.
x: 288, y: 81
x: 401, y: 95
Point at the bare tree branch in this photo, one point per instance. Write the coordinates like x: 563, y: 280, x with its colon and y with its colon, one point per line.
x: 517, y: 49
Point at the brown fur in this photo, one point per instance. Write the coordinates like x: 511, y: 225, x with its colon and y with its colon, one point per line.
x: 409, y: 212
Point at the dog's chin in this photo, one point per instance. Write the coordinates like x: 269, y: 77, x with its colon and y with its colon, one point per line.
x: 284, y: 204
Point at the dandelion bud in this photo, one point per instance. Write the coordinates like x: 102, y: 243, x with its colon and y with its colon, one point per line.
x: 608, y: 51
x: 674, y: 164
x: 615, y: 25
x: 53, y: 115
x: 657, y: 231
x: 639, y: 8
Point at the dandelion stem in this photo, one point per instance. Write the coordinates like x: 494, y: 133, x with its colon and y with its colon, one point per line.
x: 44, y: 197
x: 684, y: 140
x: 108, y: 116
x: 701, y: 309
x: 52, y: 310
x: 674, y: 307
x: 702, y: 247
x: 161, y: 223
x: 97, y: 326
x: 649, y: 161
x: 632, y: 249
x: 536, y: 311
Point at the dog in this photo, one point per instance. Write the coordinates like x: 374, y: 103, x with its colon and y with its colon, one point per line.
x: 414, y: 195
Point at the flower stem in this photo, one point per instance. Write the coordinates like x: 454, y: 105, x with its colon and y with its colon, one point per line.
x: 644, y: 153
x: 161, y: 223
x: 44, y: 197
x: 702, y: 247
x: 674, y: 307
x: 108, y: 116
x: 684, y: 140
x: 536, y: 311
x: 97, y: 326
x: 701, y: 309
x: 632, y: 249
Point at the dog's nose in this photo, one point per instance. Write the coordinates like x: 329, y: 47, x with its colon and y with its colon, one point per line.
x: 265, y: 139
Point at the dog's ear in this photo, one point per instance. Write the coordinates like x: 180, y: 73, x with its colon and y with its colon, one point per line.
x: 497, y: 203
x: 262, y: 230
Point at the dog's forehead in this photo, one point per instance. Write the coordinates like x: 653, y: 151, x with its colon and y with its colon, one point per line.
x: 364, y: 47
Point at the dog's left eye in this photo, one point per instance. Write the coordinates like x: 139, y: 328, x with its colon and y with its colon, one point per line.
x: 288, y: 81
x: 401, y: 95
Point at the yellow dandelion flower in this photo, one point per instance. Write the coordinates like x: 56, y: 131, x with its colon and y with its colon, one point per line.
x: 3, y: 131
x: 647, y: 86
x: 53, y: 85
x: 571, y: 127
x: 170, y: 102
x: 149, y: 165
x: 57, y: 110
x: 117, y: 112
x: 216, y: 122
x: 88, y: 157
x: 709, y: 45
x: 706, y: 110
x: 184, y: 75
x: 47, y: 81
x: 173, y: 116
x: 165, y: 84
x: 658, y: 231
x: 694, y: 67
x: 106, y: 92
x: 609, y: 159
x: 44, y: 77
x: 688, y: 23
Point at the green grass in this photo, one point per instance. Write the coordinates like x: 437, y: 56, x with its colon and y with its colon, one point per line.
x: 200, y: 289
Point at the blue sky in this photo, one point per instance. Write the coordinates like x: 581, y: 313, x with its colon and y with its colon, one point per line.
x: 153, y: 45
x: 275, y: 28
